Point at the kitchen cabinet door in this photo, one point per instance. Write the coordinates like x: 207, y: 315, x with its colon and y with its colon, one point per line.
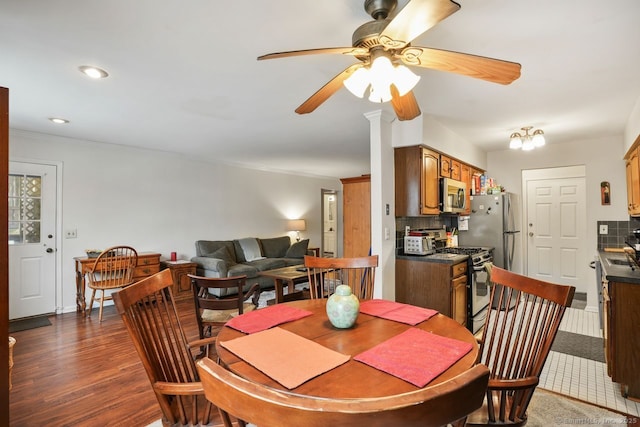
x: 445, y: 166
x: 633, y: 183
x: 466, y: 177
x: 459, y: 300
x: 430, y: 183
x: 417, y: 182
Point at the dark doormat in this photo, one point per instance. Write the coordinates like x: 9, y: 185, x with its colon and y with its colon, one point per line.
x: 579, y: 345
x: 29, y: 323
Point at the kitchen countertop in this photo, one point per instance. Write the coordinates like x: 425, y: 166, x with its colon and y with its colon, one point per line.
x: 616, y: 268
x: 439, y: 258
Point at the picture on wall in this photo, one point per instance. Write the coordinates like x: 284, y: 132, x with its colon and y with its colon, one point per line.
x: 605, y: 193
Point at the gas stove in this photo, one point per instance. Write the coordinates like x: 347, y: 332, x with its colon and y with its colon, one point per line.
x: 478, y: 255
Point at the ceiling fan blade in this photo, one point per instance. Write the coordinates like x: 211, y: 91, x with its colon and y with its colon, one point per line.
x: 330, y: 50
x: 414, y: 19
x: 480, y: 67
x: 326, y: 91
x: 406, y: 107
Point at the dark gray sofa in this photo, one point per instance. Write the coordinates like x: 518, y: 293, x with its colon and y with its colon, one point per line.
x: 226, y: 258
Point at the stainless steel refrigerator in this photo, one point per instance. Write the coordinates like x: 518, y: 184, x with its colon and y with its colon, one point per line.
x: 494, y: 222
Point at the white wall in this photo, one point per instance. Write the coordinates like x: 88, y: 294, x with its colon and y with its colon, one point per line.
x: 163, y: 202
x: 603, y: 159
x: 632, y: 130
x: 426, y: 130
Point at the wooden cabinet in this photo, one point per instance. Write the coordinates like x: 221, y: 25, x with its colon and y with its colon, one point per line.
x: 459, y: 292
x: 148, y: 264
x: 445, y: 166
x: 438, y: 286
x: 606, y: 315
x: 632, y: 162
x: 181, y: 281
x: 621, y: 340
x: 450, y: 168
x: 356, y: 211
x: 466, y: 176
x: 417, y: 181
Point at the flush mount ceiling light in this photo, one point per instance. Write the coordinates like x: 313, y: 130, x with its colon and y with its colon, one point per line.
x: 527, y: 141
x: 58, y: 120
x: 93, y: 72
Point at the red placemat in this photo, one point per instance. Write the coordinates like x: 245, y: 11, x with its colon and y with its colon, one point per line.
x: 396, y: 311
x: 284, y: 356
x: 265, y: 318
x: 415, y: 356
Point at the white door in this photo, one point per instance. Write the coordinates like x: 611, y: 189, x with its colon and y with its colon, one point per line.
x: 32, y: 251
x: 556, y: 230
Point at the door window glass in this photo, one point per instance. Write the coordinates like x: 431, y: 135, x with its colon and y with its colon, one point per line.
x: 25, y: 197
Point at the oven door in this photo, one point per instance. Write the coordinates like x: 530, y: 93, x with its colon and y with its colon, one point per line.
x: 480, y: 289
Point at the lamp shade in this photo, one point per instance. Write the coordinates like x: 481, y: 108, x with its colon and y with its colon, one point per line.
x: 296, y: 225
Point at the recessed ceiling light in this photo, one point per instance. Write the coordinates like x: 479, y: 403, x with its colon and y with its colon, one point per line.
x: 93, y: 72
x: 58, y: 120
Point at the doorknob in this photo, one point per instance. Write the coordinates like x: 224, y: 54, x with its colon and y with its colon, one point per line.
x: 49, y: 250
x: 531, y: 234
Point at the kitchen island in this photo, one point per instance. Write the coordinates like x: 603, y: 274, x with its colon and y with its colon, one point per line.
x: 621, y: 314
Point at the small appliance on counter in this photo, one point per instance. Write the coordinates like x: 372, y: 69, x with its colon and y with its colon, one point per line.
x: 421, y: 242
x: 418, y: 245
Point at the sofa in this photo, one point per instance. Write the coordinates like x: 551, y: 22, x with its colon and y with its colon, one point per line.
x: 248, y: 256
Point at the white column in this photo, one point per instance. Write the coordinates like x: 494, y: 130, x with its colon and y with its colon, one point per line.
x: 383, y: 224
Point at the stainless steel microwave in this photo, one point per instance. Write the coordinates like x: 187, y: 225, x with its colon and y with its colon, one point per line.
x: 452, y: 195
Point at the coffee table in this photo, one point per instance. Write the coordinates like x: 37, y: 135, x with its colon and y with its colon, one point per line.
x: 289, y: 276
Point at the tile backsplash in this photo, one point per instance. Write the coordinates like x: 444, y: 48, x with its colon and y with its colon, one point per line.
x: 618, y: 232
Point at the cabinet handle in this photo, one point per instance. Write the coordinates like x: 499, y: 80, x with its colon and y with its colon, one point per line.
x: 146, y: 271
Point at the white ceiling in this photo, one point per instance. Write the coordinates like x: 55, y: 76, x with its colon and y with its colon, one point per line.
x: 184, y: 75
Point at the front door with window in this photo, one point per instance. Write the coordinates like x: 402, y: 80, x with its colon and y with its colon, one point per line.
x: 32, y: 251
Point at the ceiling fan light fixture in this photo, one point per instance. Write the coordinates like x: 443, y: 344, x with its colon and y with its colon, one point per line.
x: 358, y: 82
x: 405, y: 79
x: 380, y: 94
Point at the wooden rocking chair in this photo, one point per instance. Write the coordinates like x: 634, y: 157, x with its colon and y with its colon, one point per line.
x: 522, y: 321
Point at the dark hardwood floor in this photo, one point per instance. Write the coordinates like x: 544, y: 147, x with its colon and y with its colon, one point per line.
x: 79, y: 372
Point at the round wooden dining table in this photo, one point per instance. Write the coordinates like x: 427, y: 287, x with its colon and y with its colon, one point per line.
x: 352, y: 379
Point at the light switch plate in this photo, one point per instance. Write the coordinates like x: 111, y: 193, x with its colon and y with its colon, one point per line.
x: 604, y: 229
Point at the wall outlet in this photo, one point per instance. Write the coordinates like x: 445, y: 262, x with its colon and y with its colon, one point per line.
x: 71, y: 233
x: 604, y: 229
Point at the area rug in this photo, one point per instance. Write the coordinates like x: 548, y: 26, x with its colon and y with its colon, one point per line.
x: 552, y: 409
x: 29, y: 323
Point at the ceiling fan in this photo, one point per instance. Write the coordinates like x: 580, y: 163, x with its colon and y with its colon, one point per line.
x: 386, y: 43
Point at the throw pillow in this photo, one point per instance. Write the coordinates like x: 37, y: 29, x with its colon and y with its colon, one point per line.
x: 298, y: 249
x: 223, y: 254
x: 250, y: 248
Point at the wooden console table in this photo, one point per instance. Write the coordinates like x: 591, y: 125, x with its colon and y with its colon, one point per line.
x: 148, y: 264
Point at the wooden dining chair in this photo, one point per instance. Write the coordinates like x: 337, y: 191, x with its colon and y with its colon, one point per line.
x: 261, y: 405
x: 150, y: 316
x: 112, y: 269
x: 522, y: 321
x: 214, y: 311
x: 325, y: 274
